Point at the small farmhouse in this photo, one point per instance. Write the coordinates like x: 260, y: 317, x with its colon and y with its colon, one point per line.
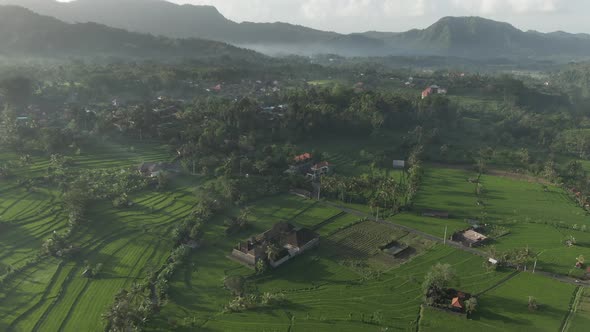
x: 301, y: 164
x: 290, y: 241
x: 433, y: 90
x: 470, y: 238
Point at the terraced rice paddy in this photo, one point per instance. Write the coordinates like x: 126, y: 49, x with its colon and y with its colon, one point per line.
x: 26, y: 219
x: 51, y: 295
x: 323, y: 293
x: 127, y: 242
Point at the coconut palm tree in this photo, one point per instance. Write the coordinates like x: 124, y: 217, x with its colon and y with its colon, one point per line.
x: 272, y: 252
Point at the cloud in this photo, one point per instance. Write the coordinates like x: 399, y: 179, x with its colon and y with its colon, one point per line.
x: 400, y: 15
x: 487, y: 7
x: 310, y: 10
x: 320, y: 9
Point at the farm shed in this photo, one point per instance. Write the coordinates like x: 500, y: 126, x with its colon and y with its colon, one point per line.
x: 394, y: 248
x: 399, y: 164
x: 470, y: 238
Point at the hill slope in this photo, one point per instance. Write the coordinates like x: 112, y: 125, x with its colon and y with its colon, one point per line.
x: 171, y: 20
x: 23, y: 32
x: 456, y: 36
x: 476, y: 36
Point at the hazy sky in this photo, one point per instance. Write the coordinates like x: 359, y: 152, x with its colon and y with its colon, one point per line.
x: 401, y: 15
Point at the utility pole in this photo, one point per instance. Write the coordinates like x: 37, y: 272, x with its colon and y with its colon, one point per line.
x: 445, y: 238
x: 319, y: 188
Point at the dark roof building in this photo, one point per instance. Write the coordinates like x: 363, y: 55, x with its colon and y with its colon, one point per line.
x: 291, y: 240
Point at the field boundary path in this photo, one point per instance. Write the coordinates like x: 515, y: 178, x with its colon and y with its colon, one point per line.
x: 453, y: 244
x: 495, y: 172
x: 499, y: 283
x: 573, y: 308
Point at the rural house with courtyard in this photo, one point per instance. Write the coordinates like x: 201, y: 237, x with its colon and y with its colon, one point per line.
x: 289, y: 241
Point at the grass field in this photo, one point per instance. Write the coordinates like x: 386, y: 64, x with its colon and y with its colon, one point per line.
x: 525, y: 208
x: 326, y: 297
x: 505, y: 308
x: 322, y: 294
x: 580, y: 319
x: 102, y: 154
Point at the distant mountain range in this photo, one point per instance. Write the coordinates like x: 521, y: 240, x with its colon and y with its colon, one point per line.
x: 23, y: 32
x: 450, y: 36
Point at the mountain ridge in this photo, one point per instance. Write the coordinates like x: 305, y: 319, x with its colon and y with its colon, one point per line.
x: 468, y: 36
x: 24, y: 32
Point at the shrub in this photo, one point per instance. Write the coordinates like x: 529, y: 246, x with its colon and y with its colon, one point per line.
x: 235, y: 284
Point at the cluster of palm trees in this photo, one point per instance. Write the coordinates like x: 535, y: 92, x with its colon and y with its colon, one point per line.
x: 131, y: 310
x: 379, y: 191
x: 517, y: 257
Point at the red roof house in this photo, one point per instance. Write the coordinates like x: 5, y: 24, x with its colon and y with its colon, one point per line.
x: 456, y: 303
x: 304, y: 157
x: 433, y: 89
x: 427, y: 92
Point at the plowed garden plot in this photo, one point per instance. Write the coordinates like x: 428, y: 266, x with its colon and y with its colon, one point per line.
x: 362, y: 243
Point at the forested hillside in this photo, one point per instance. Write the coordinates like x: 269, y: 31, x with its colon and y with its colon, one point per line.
x: 25, y: 33
x: 471, y: 37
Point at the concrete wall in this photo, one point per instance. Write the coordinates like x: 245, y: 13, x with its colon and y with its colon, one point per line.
x: 280, y: 261
x: 309, y: 245
x: 248, y: 259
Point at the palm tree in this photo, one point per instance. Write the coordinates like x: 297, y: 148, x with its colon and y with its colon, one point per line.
x: 244, y: 216
x: 533, y: 305
x: 471, y: 305
x: 272, y: 252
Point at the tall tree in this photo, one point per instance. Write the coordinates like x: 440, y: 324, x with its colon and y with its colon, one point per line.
x: 16, y: 90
